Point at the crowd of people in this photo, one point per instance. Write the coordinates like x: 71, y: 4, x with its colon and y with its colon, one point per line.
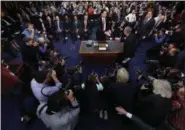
x: 155, y: 101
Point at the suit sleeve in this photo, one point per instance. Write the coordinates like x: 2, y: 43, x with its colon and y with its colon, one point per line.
x: 52, y: 89
x: 150, y: 27
x: 141, y: 124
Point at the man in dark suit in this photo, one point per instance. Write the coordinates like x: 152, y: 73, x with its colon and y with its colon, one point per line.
x: 103, y: 26
x: 130, y: 44
x: 146, y: 26
x: 180, y: 64
x: 136, y: 120
x: 49, y: 25
x: 67, y: 28
x: 76, y: 29
x: 86, y: 27
x: 58, y: 27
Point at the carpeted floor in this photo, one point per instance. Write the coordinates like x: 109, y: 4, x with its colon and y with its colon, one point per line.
x: 10, y: 112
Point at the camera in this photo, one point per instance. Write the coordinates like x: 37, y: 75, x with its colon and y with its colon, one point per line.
x: 143, y: 75
x: 57, y: 101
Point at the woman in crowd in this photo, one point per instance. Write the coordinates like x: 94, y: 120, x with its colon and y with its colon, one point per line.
x: 177, y: 117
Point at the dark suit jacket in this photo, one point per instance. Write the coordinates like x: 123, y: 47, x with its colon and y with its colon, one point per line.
x: 140, y: 124
x: 30, y: 54
x: 153, y: 109
x: 100, y: 24
x: 123, y: 95
x: 146, y: 28
x: 130, y: 45
x: 49, y: 27
x: 56, y: 27
x: 76, y: 25
x: 67, y: 25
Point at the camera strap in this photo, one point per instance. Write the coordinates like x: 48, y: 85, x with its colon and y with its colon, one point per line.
x: 41, y: 109
x: 43, y: 93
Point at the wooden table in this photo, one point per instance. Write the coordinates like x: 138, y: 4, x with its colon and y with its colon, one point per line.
x: 92, y: 54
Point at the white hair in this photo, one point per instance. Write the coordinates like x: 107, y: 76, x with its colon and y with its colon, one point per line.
x: 162, y: 88
x: 122, y: 75
x: 128, y: 29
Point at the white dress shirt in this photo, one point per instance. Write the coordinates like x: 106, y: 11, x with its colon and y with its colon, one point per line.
x: 131, y: 18
x: 48, y: 90
x: 104, y: 23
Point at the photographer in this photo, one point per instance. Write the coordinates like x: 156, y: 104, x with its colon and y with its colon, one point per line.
x: 94, y: 101
x: 30, y: 32
x: 60, y: 112
x: 40, y: 87
x: 160, y: 36
x: 177, y: 36
x: 153, y: 107
x: 168, y: 55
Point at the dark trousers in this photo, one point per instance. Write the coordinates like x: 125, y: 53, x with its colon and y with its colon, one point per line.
x: 86, y: 35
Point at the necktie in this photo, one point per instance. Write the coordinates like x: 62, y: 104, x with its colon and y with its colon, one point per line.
x: 104, y: 24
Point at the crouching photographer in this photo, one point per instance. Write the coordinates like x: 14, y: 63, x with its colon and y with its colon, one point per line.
x: 60, y: 112
x: 155, y: 103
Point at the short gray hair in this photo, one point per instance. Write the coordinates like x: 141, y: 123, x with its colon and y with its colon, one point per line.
x: 128, y: 29
x: 162, y: 88
x: 122, y: 75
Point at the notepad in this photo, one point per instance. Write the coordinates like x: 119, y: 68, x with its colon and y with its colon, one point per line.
x: 102, y: 48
